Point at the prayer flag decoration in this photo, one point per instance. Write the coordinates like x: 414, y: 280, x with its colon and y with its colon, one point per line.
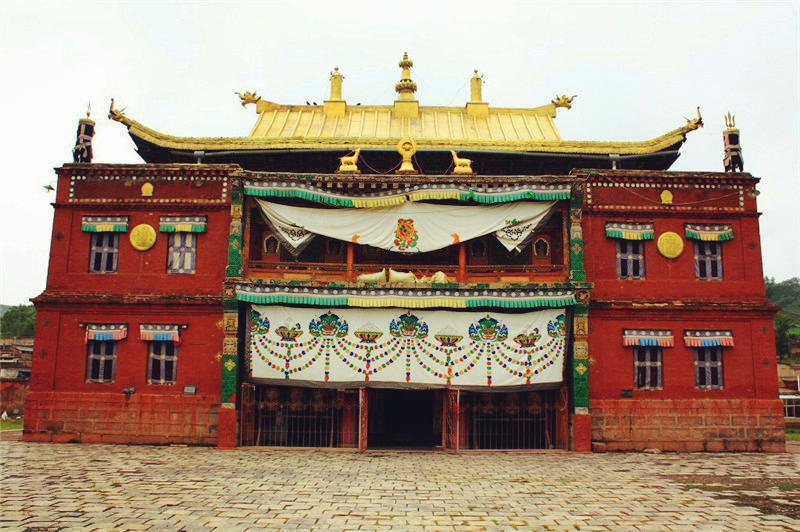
x: 424, y: 348
x: 182, y: 224
x: 629, y: 231
x: 104, y: 224
x: 408, y: 227
x: 634, y: 337
x: 708, y: 338
x: 711, y: 233
x: 160, y: 333
x: 104, y: 331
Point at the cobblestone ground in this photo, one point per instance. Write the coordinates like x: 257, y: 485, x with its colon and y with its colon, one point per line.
x: 116, y: 487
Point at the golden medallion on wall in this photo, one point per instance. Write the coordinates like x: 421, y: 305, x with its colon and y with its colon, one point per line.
x: 143, y: 237
x: 670, y: 245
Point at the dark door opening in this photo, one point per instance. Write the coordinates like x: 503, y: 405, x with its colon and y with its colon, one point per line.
x: 404, y: 418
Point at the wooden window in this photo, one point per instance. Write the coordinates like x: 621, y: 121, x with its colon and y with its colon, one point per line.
x: 647, y: 368
x: 163, y: 362
x: 708, y: 368
x: 708, y: 260
x: 541, y: 248
x: 103, y: 253
x: 630, y: 259
x: 182, y: 253
x: 271, y: 246
x: 101, y: 360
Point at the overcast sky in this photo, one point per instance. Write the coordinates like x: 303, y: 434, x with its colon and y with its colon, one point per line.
x: 637, y: 69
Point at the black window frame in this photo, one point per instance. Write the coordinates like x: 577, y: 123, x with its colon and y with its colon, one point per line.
x: 648, y: 367
x: 103, y: 252
x: 708, y: 368
x: 101, y: 367
x: 162, y: 358
x: 630, y: 259
x: 177, y: 244
x: 708, y: 260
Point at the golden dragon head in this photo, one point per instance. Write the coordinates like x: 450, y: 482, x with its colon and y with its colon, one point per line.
x: 564, y: 101
x: 248, y: 97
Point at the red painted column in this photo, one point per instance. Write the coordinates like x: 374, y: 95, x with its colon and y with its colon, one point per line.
x: 363, y: 425
x: 226, y: 427
x: 350, y: 260
x: 462, y: 262
x: 582, y: 433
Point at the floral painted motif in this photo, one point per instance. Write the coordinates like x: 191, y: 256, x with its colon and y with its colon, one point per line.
x: 408, y: 326
x: 488, y: 329
x: 328, y: 325
x: 289, y: 335
x: 405, y: 236
x: 258, y: 324
x: 557, y: 328
x: 528, y: 340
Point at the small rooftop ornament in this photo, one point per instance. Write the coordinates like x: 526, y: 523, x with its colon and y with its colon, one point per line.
x: 407, y: 147
x: 462, y: 166
x: 82, y: 152
x: 733, y: 150
x: 348, y: 163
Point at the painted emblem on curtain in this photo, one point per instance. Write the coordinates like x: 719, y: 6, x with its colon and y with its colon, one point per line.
x: 405, y: 236
x: 488, y: 329
x: 408, y: 326
x: 258, y: 324
x: 328, y: 325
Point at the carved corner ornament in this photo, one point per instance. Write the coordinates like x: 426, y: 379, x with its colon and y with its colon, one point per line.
x: 670, y: 245
x: 248, y: 98
x: 564, y: 101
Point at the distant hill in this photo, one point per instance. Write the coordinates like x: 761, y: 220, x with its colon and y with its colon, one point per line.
x: 785, y: 294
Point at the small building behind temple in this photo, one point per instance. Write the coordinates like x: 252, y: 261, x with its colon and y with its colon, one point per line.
x: 406, y: 276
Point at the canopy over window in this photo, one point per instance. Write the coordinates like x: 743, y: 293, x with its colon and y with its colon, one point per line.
x: 104, y: 224
x: 634, y: 337
x: 160, y: 333
x: 708, y: 338
x: 629, y: 231
x: 105, y: 331
x: 182, y: 224
x: 712, y: 233
x: 408, y: 227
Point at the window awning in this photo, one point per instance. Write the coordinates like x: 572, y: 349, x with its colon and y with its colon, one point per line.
x: 160, y: 333
x: 104, y: 224
x: 634, y: 337
x: 408, y: 227
x: 712, y: 233
x: 708, y: 338
x: 629, y: 231
x: 182, y: 224
x: 105, y: 331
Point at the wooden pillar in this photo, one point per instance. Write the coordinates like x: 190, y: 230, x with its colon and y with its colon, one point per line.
x: 363, y: 422
x: 350, y: 260
x: 462, y: 262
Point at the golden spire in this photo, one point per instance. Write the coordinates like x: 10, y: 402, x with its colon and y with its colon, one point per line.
x: 406, y: 86
x: 475, y: 88
x: 336, y: 85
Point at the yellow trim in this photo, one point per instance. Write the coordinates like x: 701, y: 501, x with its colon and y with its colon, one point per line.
x: 379, y: 202
x: 434, y: 194
x: 350, y: 143
x: 406, y: 303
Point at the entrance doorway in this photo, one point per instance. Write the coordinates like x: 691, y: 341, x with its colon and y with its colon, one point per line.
x: 408, y: 419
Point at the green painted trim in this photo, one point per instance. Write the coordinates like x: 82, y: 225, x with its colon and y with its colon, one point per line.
x: 647, y: 235
x: 297, y: 300
x: 171, y: 229
x: 345, y: 301
x: 511, y: 303
x: 92, y: 228
x: 505, y: 198
x: 722, y: 237
x: 310, y: 196
x: 228, y: 379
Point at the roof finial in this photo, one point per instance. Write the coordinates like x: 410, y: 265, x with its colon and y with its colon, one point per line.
x: 89, y: 109
x: 406, y: 86
x: 475, y: 88
x: 730, y: 120
x: 336, y: 85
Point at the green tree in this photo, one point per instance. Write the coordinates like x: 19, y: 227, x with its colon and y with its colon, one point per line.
x: 19, y: 321
x: 785, y: 295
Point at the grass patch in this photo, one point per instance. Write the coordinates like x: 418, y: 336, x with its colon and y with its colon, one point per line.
x: 11, y: 424
x: 792, y: 434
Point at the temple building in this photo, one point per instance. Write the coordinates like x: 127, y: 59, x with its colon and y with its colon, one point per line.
x: 404, y: 276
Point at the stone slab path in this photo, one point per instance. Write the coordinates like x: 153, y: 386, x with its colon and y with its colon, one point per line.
x: 115, y: 487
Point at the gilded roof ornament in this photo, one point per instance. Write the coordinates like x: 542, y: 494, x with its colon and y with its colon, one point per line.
x: 406, y: 86
x: 697, y: 122
x: 116, y: 114
x: 564, y: 101
x: 248, y: 97
x: 336, y: 85
x: 475, y: 83
x: 730, y: 120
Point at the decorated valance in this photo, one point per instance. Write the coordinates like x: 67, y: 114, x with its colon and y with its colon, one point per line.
x: 160, y: 333
x: 104, y: 224
x: 643, y: 337
x: 413, y: 193
x: 407, y: 228
x: 713, y: 233
x: 708, y: 338
x: 182, y: 224
x: 405, y: 298
x: 628, y: 231
x: 104, y: 331
x: 346, y: 347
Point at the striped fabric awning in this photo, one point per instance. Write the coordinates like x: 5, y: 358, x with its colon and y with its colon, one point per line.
x: 661, y: 338
x: 104, y: 224
x: 712, y: 233
x: 708, y: 338
x: 105, y: 331
x: 160, y: 333
x: 628, y: 231
x: 182, y: 224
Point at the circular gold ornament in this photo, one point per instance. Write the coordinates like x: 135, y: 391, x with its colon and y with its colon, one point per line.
x: 143, y: 237
x: 670, y: 245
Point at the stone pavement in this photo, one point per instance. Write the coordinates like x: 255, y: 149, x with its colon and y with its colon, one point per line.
x: 114, y: 487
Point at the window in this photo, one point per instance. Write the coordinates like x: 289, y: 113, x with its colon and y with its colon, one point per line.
x: 103, y: 252
x: 101, y: 360
x: 708, y: 260
x: 630, y: 259
x: 182, y: 252
x: 708, y: 368
x: 647, y: 374
x: 163, y: 360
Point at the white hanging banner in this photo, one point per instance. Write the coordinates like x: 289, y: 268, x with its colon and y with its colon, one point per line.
x: 423, y: 348
x: 409, y: 227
